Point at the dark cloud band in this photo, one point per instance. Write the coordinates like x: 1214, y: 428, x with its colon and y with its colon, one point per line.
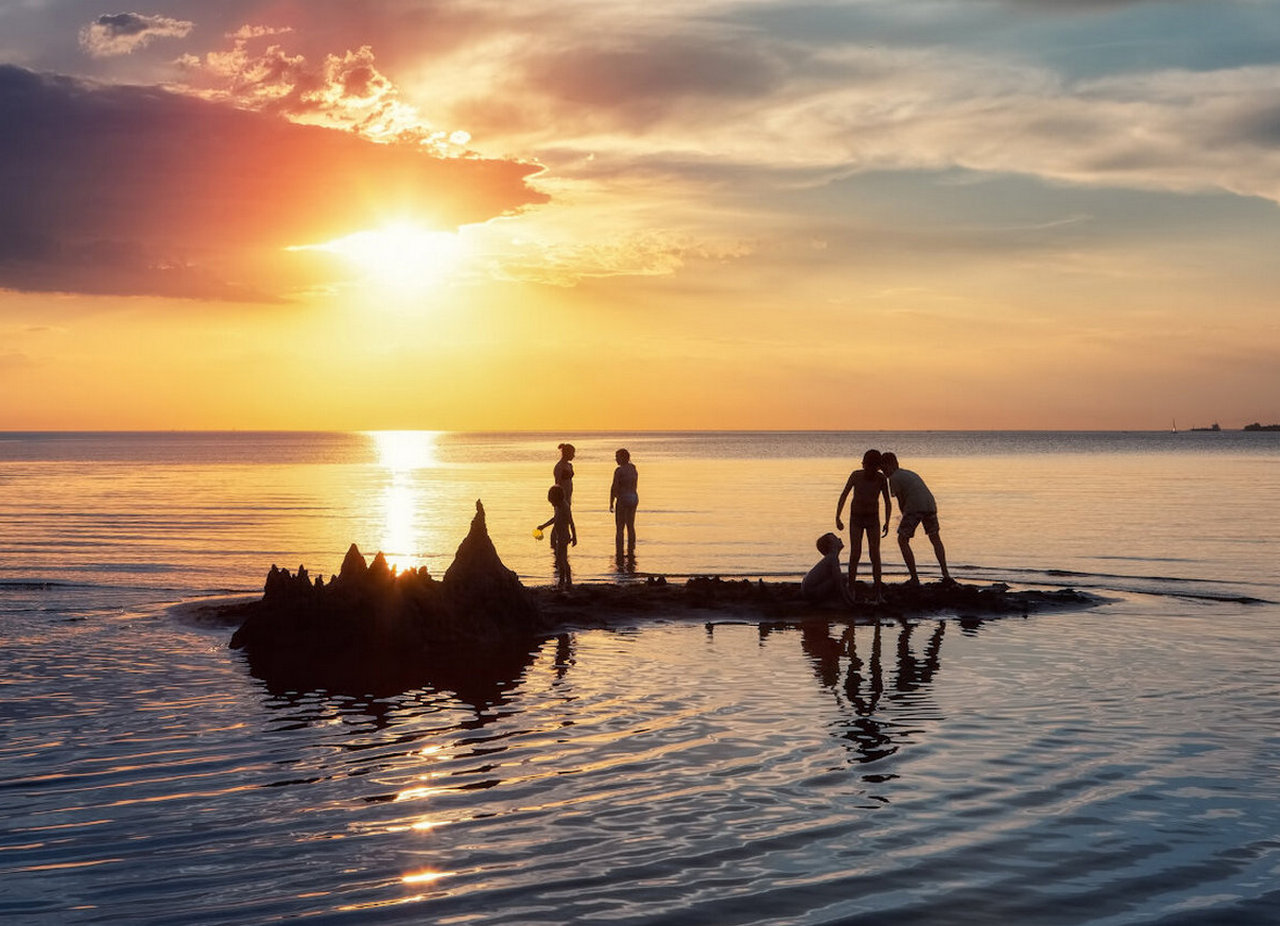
x: 141, y: 191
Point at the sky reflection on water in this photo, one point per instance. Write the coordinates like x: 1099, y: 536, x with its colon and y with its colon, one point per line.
x: 733, y: 772
x: 1114, y: 766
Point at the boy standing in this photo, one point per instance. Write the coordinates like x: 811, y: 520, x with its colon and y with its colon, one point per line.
x: 916, y: 503
x: 867, y: 484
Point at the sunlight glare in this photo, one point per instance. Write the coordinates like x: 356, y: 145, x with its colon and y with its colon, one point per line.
x: 404, y: 451
x: 400, y: 256
x: 402, y: 454
x: 398, y: 527
x: 418, y: 793
x: 425, y: 876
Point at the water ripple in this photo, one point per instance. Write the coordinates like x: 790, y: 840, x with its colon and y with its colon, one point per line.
x: 669, y: 775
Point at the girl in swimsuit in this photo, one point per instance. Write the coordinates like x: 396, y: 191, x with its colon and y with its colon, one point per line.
x: 623, y: 499
x: 868, y: 486
x: 563, y: 472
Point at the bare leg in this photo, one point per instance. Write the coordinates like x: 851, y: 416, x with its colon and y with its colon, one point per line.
x: 940, y: 551
x: 873, y: 553
x: 624, y: 519
x: 855, y: 555
x: 564, y: 578
x: 904, y: 544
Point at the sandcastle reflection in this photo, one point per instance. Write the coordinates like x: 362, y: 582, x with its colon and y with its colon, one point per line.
x: 481, y: 679
x: 464, y: 706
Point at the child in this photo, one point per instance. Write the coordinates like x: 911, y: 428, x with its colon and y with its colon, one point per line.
x: 866, y: 484
x: 825, y: 579
x: 563, y: 533
x: 916, y: 503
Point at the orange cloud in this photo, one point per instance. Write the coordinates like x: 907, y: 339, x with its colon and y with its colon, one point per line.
x: 137, y: 190
x: 342, y: 91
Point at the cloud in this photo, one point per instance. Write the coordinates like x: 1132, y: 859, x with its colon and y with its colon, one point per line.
x: 713, y: 117
x: 773, y: 113
x: 568, y: 263
x: 345, y: 91
x: 122, y: 33
x: 628, y: 69
x: 138, y: 190
x: 1073, y: 6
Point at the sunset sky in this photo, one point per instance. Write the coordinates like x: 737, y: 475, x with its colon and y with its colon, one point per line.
x: 596, y: 214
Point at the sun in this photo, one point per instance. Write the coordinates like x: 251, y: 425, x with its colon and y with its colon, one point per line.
x: 400, y: 256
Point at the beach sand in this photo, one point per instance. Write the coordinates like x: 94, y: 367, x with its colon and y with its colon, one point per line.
x: 716, y: 599
x: 713, y: 599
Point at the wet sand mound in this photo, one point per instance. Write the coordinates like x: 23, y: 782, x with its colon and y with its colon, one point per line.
x: 712, y: 598
x: 370, y: 627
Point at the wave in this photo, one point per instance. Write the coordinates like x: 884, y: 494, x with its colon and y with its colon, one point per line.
x: 45, y: 584
x: 1160, y: 586
x: 158, y: 592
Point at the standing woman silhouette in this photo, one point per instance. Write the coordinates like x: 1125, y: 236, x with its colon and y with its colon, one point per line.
x: 623, y: 499
x: 563, y: 472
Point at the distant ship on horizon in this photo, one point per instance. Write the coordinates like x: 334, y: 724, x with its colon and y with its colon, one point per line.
x: 1216, y: 428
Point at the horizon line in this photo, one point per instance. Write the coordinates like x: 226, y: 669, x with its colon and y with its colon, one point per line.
x: 607, y: 431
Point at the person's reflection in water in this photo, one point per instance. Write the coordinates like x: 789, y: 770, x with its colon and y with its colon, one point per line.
x: 861, y: 693
x: 933, y: 652
x: 870, y: 738
x: 564, y: 655
x: 911, y: 673
x: 864, y: 704
x: 822, y: 650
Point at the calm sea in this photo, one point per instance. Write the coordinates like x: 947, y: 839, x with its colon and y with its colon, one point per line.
x: 1119, y: 765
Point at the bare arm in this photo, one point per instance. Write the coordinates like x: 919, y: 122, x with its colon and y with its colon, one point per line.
x: 848, y: 487
x: 888, y: 507
x: 837, y: 575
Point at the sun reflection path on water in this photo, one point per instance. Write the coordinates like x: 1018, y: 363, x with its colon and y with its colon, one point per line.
x: 404, y: 455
